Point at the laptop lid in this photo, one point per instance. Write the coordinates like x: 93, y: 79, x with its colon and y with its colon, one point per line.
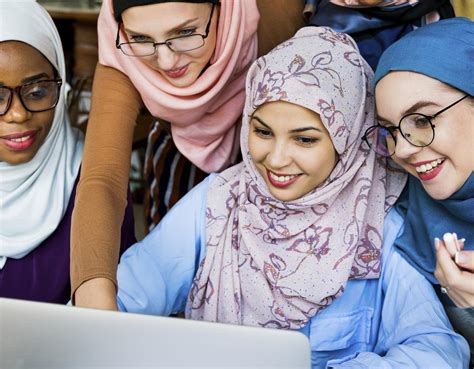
x: 37, y: 335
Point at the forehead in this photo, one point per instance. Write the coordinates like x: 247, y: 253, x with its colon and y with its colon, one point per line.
x: 397, y: 91
x: 19, y: 60
x: 162, y: 17
x: 288, y: 114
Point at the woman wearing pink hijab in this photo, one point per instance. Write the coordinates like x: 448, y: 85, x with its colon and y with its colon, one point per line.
x: 186, y: 61
x: 299, y: 236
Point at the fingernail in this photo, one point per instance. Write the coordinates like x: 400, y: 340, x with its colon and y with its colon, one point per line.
x: 436, y: 243
x: 451, y: 243
x: 447, y: 237
x: 461, y: 257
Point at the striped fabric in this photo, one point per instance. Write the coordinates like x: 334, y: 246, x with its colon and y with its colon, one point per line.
x: 168, y: 174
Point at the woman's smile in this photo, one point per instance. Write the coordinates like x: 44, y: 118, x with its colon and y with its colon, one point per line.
x: 20, y: 141
x: 177, y: 72
x: 282, y: 180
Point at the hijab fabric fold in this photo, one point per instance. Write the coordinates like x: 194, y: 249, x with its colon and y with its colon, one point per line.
x: 34, y: 195
x: 203, y: 115
x: 426, y: 218
x: 276, y: 264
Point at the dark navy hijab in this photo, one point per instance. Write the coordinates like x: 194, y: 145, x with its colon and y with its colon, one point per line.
x: 121, y: 5
x: 443, y: 51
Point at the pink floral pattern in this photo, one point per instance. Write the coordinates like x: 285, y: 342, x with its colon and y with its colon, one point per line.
x: 276, y: 264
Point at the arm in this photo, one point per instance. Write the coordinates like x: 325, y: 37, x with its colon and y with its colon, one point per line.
x: 414, y: 330
x: 101, y: 193
x: 155, y: 275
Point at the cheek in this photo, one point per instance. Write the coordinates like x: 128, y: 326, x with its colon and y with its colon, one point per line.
x: 325, y: 159
x: 45, y: 120
x: 255, y: 148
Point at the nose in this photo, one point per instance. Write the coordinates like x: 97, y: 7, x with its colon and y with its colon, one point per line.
x: 404, y: 149
x: 16, y: 113
x: 166, y: 58
x: 279, y: 156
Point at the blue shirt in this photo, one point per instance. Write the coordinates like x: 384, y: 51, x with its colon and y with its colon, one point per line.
x: 395, y: 321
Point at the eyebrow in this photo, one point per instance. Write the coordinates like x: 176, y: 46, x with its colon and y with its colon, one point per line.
x: 35, y: 77
x: 412, y: 109
x: 296, y: 130
x: 31, y: 79
x: 172, y: 30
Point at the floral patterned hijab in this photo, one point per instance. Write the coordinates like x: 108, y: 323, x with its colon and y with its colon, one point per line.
x: 276, y: 264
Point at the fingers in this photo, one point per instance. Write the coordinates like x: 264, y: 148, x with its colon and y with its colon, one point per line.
x: 460, y: 283
x: 451, y: 243
x: 465, y: 259
x: 446, y: 262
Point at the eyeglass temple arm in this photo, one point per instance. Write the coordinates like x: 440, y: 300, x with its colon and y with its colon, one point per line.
x: 450, y: 106
x: 210, y: 19
x: 117, y: 38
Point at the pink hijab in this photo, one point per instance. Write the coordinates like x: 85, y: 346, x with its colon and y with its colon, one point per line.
x: 203, y: 116
x: 276, y: 264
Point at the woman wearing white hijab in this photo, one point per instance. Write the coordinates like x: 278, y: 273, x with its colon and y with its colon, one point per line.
x: 40, y: 157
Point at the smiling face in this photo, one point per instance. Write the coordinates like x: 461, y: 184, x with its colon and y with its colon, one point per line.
x: 291, y: 149
x: 22, y: 132
x: 159, y: 22
x: 445, y: 165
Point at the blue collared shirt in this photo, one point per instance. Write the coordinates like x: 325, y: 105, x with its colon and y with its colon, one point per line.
x: 395, y: 321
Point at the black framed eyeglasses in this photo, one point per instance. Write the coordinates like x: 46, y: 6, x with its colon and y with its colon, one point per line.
x: 418, y: 129
x: 178, y: 44
x: 35, y: 96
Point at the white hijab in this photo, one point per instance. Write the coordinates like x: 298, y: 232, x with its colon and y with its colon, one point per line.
x: 34, y: 196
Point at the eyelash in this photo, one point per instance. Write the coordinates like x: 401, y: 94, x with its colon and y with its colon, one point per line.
x: 187, y: 31
x: 139, y: 38
x: 263, y: 133
x: 301, y: 140
x: 306, y: 141
x: 183, y: 32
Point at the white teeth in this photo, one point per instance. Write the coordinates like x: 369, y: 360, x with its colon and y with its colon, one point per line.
x: 429, y: 166
x: 20, y: 139
x: 281, y: 179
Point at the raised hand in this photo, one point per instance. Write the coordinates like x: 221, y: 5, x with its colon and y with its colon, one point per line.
x: 455, y: 270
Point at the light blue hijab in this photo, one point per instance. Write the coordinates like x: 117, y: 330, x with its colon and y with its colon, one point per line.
x: 443, y: 51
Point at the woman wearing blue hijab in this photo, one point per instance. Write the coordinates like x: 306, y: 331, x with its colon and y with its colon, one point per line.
x: 425, y: 107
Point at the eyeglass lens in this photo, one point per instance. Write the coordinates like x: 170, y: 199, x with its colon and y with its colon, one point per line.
x: 415, y: 128
x: 179, y: 44
x: 385, y: 140
x: 36, y: 97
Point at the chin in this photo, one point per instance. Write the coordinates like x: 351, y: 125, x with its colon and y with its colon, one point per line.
x: 439, y: 193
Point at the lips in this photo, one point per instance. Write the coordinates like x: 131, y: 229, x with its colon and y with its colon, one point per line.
x: 176, y: 73
x: 19, y: 141
x: 282, y: 180
x: 429, y: 169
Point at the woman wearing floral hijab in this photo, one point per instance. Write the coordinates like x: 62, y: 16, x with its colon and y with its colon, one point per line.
x: 292, y: 238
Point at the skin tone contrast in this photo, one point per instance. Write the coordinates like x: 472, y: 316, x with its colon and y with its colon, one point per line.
x: 282, y: 138
x: 452, y: 152
x: 22, y: 132
x: 159, y: 22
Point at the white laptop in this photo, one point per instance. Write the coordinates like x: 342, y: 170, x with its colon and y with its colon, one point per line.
x: 38, y: 336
